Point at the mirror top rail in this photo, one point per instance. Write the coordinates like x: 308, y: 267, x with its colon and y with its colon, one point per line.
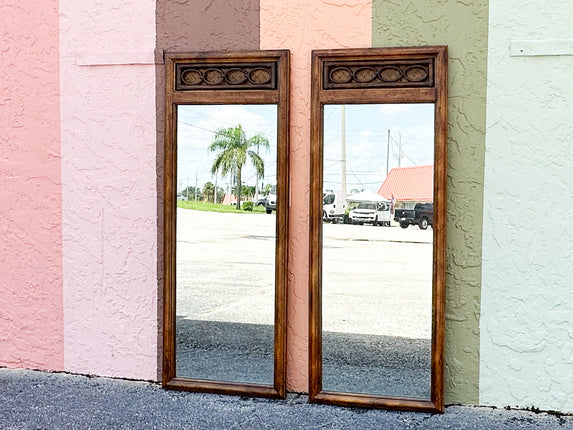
x: 214, y: 97
x: 375, y: 95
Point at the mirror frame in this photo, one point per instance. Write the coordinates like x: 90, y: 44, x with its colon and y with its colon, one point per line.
x: 182, y: 89
x: 346, y: 89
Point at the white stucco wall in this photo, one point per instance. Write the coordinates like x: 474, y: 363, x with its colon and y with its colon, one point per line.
x: 527, y: 281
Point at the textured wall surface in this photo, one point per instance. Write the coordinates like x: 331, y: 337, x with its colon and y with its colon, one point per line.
x: 31, y: 314
x: 302, y: 27
x: 527, y: 299
x: 463, y: 26
x: 109, y: 188
x: 207, y: 25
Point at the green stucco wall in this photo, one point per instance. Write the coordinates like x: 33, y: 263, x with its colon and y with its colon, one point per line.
x: 463, y: 26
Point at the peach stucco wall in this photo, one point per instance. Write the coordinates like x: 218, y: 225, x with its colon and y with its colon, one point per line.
x: 301, y: 26
x: 31, y: 315
x: 109, y: 187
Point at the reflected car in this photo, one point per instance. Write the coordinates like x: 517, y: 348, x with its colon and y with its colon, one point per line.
x: 271, y: 200
x: 371, y: 213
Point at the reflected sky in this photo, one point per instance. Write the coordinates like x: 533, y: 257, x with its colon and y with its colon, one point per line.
x: 196, y: 127
x: 411, y: 127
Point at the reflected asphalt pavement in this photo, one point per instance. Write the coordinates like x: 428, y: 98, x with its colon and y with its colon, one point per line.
x: 376, y: 303
x: 376, y: 280
x: 37, y: 400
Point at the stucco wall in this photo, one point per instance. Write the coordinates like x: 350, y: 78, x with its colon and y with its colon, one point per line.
x: 109, y: 187
x: 527, y: 299
x: 31, y: 314
x: 463, y: 27
x: 302, y: 27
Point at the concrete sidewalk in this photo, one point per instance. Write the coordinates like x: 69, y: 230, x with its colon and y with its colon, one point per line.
x: 38, y: 400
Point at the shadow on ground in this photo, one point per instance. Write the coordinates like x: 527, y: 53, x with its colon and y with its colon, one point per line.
x: 355, y: 363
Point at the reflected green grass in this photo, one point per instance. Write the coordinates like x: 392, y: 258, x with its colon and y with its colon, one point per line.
x: 214, y: 207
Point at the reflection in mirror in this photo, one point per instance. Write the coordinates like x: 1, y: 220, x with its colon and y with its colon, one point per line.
x: 225, y: 242
x: 377, y: 253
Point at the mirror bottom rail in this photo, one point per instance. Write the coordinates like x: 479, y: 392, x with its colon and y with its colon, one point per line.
x: 379, y: 402
x: 221, y: 387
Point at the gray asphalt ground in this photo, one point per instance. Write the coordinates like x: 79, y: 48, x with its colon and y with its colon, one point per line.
x: 39, y: 400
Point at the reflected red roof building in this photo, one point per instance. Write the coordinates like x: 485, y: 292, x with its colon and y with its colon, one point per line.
x: 409, y: 184
x: 229, y: 199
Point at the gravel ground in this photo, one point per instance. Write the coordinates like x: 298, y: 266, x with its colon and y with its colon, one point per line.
x: 38, y: 400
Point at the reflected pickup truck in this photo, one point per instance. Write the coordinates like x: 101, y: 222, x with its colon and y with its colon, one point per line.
x: 422, y: 215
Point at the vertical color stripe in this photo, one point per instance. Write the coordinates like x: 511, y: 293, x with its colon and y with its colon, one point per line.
x: 527, y: 300
x: 31, y: 314
x: 302, y: 26
x: 109, y: 189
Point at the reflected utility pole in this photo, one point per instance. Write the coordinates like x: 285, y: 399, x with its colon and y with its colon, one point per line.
x: 343, y: 150
x: 400, y: 154
x: 388, y: 154
x: 257, y: 180
x: 195, y: 186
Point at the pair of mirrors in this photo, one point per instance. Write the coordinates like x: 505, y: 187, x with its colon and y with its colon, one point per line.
x: 378, y: 161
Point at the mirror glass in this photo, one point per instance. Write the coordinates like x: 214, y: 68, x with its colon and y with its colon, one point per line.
x: 225, y: 242
x: 377, y: 249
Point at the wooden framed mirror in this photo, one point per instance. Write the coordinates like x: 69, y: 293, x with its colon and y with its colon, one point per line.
x: 377, y: 291
x: 225, y: 257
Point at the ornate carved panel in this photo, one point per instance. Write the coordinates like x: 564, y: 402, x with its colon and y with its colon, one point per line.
x: 227, y: 76
x: 378, y: 74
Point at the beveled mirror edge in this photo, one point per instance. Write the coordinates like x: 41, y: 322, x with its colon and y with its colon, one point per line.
x: 437, y: 94
x: 173, y: 98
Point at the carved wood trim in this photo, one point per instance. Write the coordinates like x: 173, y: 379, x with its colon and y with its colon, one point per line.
x: 378, y: 74
x: 228, y: 76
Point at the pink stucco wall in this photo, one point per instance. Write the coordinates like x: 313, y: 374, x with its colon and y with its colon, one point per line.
x: 109, y: 187
x: 31, y: 315
x: 301, y: 26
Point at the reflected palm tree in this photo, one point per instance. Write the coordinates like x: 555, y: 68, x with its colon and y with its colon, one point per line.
x: 209, y: 191
x: 233, y: 149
